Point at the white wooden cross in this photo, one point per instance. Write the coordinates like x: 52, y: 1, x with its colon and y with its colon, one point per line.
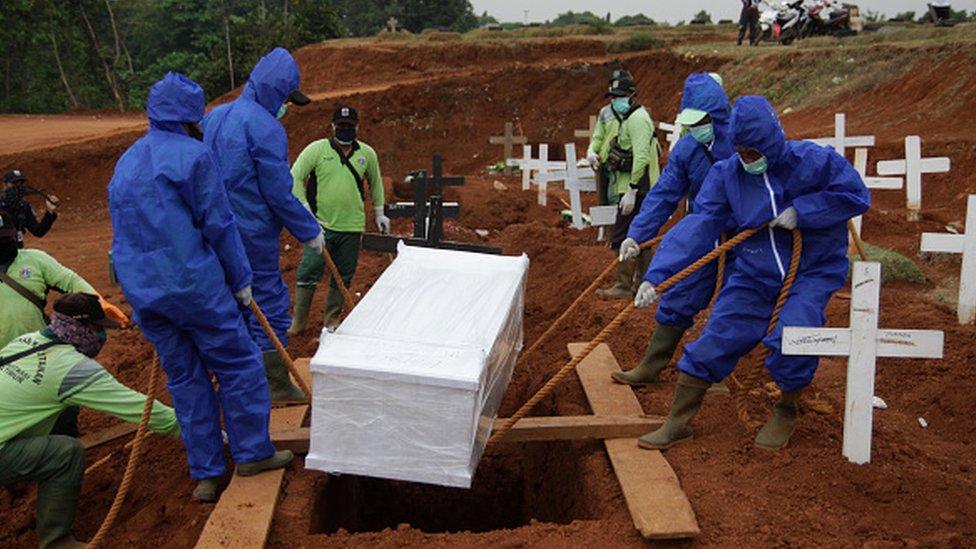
x: 532, y: 167
x: 863, y: 343
x: 964, y: 244
x: 586, y: 134
x: 878, y: 183
x: 840, y: 141
x: 508, y: 139
x: 912, y: 167
x: 602, y: 217
x: 575, y: 180
x: 674, y: 133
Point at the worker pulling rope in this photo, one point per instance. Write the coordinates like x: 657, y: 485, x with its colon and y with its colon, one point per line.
x: 617, y: 321
x: 134, y: 458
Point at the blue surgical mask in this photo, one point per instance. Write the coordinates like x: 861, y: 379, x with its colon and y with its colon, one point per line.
x: 703, y: 134
x: 282, y: 111
x: 758, y: 167
x: 620, y: 104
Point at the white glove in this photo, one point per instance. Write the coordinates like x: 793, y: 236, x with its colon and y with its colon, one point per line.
x: 786, y: 220
x: 583, y: 163
x: 593, y: 160
x: 628, y: 201
x: 382, y: 222
x: 52, y: 203
x: 629, y: 249
x: 317, y: 243
x: 243, y: 296
x: 646, y: 295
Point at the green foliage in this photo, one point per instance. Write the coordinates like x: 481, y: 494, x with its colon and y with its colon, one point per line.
x: 894, y: 266
x: 485, y: 19
x: 639, y: 41
x: 634, y: 20
x: 576, y: 18
x: 905, y: 16
x: 367, y: 17
x: 702, y: 18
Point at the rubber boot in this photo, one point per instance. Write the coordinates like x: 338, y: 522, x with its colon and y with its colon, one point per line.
x: 688, y: 395
x: 624, y: 286
x: 57, y: 497
x: 283, y: 391
x: 658, y: 355
x: 279, y: 460
x: 206, y: 490
x: 643, y: 263
x: 303, y: 302
x: 775, y: 434
x: 333, y: 309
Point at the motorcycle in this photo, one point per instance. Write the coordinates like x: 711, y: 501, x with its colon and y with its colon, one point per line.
x: 792, y: 22
x: 829, y: 18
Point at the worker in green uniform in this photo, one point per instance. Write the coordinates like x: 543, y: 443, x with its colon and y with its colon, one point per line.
x: 634, y: 167
x: 41, y: 374
x: 607, y: 126
x: 330, y: 177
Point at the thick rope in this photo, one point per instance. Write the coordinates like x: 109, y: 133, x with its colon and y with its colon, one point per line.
x: 572, y: 306
x: 134, y: 458
x: 617, y: 321
x: 334, y: 270
x: 281, y: 348
x: 858, y: 243
x: 752, y: 377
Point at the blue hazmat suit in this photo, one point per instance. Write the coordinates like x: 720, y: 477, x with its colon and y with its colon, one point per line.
x: 179, y: 258
x: 251, y: 148
x: 687, y: 166
x: 825, y: 191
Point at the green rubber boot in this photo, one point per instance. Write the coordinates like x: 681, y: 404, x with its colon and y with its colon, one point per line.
x: 658, y: 355
x: 57, y: 495
x: 303, y: 302
x: 688, y: 395
x: 623, y: 288
x: 279, y: 460
x: 775, y: 434
x: 643, y: 263
x: 283, y: 391
x: 333, y: 309
x: 206, y: 490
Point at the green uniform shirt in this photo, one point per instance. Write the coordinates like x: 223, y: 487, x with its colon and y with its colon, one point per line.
x: 38, y: 272
x: 339, y: 204
x: 607, y: 127
x: 636, y: 134
x: 37, y: 388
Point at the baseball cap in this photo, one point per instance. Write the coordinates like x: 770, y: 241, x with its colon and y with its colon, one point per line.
x: 345, y: 114
x: 298, y: 98
x: 13, y: 176
x: 621, y: 87
x: 690, y: 117
x: 84, y: 307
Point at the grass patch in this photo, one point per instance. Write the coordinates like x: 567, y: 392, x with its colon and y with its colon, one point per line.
x: 638, y: 41
x: 440, y: 36
x: 894, y: 266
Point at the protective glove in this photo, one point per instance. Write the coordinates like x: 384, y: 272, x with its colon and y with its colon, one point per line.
x: 317, y: 243
x: 243, y: 296
x: 629, y: 249
x: 628, y: 201
x: 382, y: 222
x: 786, y: 220
x: 113, y: 312
x: 52, y: 203
x: 583, y: 163
x: 646, y: 295
x: 593, y: 160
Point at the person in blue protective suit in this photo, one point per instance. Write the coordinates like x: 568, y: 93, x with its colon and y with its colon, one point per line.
x: 180, y: 262
x: 252, y: 150
x: 705, y: 111
x: 789, y: 184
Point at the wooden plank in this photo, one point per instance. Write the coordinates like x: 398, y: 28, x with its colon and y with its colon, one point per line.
x: 242, y: 517
x: 659, y: 507
x: 108, y: 435
x: 859, y: 405
x: 530, y: 429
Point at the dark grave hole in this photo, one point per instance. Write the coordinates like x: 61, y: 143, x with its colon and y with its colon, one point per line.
x: 513, y: 486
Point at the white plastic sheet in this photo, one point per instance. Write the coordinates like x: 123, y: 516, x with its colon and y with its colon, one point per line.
x: 408, y: 387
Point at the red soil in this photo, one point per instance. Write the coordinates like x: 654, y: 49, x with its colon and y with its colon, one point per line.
x: 918, y: 490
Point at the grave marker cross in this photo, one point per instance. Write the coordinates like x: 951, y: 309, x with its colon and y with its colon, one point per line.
x: 673, y: 131
x: 964, y: 244
x: 392, y: 24
x: 840, y: 141
x: 508, y: 139
x: 586, y: 134
x: 863, y: 343
x: 574, y: 181
x: 877, y: 183
x: 912, y: 167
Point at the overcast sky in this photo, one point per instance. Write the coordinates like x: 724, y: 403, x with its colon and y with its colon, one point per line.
x: 664, y: 10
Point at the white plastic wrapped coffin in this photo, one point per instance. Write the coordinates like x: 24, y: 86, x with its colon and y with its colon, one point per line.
x: 408, y: 387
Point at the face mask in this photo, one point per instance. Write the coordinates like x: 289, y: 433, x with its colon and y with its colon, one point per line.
x: 282, y: 111
x: 703, y: 134
x: 8, y: 250
x: 345, y: 135
x: 758, y: 167
x: 86, y: 340
x: 620, y: 104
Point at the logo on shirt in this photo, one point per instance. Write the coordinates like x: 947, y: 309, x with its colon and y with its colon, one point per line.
x: 26, y: 273
x: 361, y: 161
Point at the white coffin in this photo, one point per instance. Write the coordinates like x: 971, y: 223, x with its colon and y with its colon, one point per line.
x: 408, y: 387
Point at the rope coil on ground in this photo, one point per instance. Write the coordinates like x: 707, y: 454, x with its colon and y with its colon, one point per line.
x: 134, y: 458
x: 617, y: 321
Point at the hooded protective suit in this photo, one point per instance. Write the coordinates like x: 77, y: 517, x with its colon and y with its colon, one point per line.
x: 251, y: 148
x: 178, y: 257
x: 825, y: 191
x: 688, y: 164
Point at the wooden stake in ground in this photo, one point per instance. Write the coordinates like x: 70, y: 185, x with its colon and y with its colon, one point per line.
x: 507, y: 140
x: 964, y: 244
x: 863, y: 343
x: 913, y: 167
x: 841, y: 141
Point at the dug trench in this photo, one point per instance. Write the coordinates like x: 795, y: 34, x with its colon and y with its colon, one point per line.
x: 918, y: 491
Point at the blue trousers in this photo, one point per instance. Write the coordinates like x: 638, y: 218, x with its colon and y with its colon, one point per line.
x: 271, y: 294
x: 680, y: 304
x: 739, y: 322
x: 200, y: 338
